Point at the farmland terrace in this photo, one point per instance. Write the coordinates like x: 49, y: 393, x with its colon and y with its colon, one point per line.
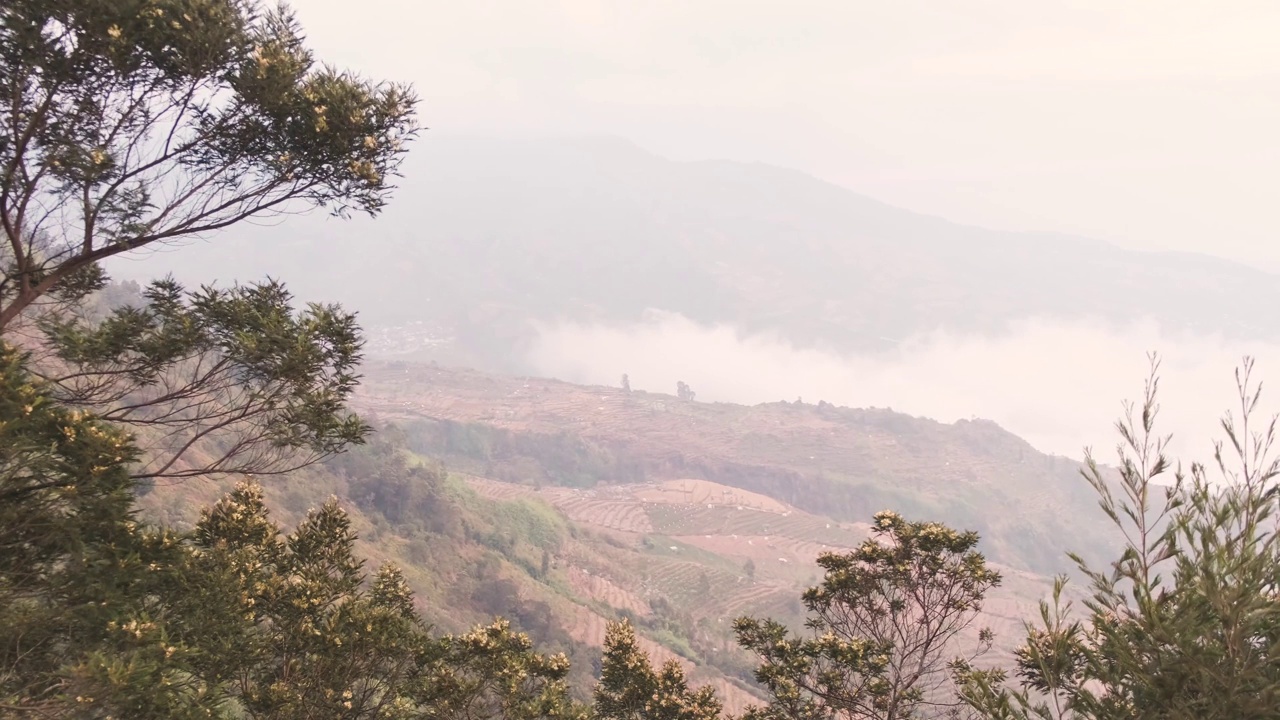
x: 751, y: 555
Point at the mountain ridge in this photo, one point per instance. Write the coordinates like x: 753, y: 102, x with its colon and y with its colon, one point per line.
x: 489, y: 237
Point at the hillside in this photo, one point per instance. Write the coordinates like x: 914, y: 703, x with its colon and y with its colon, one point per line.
x: 489, y: 234
x: 473, y: 549
x: 680, y: 559
x: 566, y: 507
x: 837, y: 462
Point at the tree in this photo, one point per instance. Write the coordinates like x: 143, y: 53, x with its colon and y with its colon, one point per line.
x: 1186, y: 622
x: 303, y: 652
x: 493, y: 673
x: 127, y: 123
x: 214, y: 381
x: 885, y: 620
x: 100, y: 615
x: 322, y: 641
x: 749, y: 567
x: 684, y: 392
x: 626, y: 383
x: 630, y: 689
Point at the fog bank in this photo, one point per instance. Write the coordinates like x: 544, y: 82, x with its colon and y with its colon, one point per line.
x: 1059, y: 386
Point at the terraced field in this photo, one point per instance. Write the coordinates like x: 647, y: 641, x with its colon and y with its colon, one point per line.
x: 774, y: 554
x: 689, y: 584
x: 758, y: 599
x: 498, y: 490
x: 732, y: 520
x: 610, y: 514
x: 602, y: 589
x: 701, y: 492
x: 715, y: 559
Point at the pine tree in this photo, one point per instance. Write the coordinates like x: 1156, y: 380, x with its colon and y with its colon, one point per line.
x: 323, y: 641
x: 492, y: 673
x: 104, y: 616
x: 213, y: 381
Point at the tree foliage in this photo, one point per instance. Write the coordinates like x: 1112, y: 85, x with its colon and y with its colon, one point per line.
x: 1185, y: 623
x: 323, y: 642
x: 214, y: 381
x: 631, y: 689
x: 125, y: 123
x: 314, y: 642
x: 381, y: 480
x: 884, y: 625
x: 90, y: 623
x: 494, y: 673
x: 104, y: 615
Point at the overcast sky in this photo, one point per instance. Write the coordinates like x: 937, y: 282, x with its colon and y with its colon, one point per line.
x: 1152, y: 124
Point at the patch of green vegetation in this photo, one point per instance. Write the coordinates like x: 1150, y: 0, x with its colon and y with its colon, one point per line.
x: 674, y: 642
x: 562, y: 458
x: 534, y: 520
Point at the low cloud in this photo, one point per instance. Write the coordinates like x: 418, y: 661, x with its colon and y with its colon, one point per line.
x: 1059, y: 386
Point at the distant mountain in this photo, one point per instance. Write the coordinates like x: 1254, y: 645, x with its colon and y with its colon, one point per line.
x: 487, y: 234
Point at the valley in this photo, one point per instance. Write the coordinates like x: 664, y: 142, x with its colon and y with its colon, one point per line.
x: 437, y: 362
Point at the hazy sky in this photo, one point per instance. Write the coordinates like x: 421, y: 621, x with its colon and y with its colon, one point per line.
x: 1152, y: 124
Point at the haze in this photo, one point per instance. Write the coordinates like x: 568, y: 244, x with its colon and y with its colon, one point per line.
x: 553, y: 221
x: 1059, y: 386
x: 1147, y: 123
